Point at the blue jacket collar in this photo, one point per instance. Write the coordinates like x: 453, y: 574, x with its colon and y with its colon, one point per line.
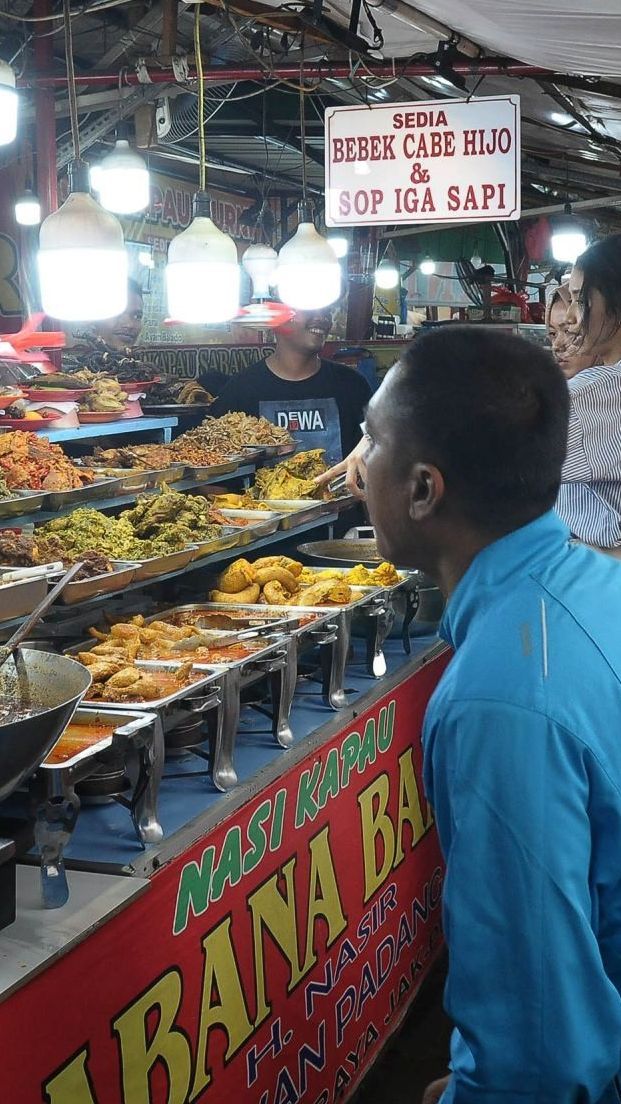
x: 499, y: 563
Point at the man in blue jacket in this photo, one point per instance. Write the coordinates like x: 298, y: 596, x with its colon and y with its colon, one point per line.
x: 522, y: 738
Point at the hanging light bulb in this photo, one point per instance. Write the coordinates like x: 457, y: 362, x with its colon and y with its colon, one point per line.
x: 568, y: 238
x: 308, y: 273
x: 123, y: 180
x: 28, y: 209
x: 339, y: 244
x: 427, y: 266
x: 8, y: 104
x: 202, y: 273
x: 260, y: 262
x: 82, y: 258
x: 387, y: 275
x: 476, y: 260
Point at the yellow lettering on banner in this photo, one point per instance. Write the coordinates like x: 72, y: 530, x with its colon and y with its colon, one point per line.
x: 222, y: 1003
x: 168, y: 1044
x: 410, y: 810
x: 323, y: 897
x: 376, y: 822
x: 71, y: 1085
x: 275, y: 913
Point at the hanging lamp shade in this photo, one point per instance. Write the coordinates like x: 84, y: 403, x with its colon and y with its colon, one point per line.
x: 82, y: 259
x: 260, y: 262
x: 123, y: 180
x: 8, y: 104
x: 308, y: 273
x: 202, y: 274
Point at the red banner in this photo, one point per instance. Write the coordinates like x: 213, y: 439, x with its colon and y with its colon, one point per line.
x: 270, y: 961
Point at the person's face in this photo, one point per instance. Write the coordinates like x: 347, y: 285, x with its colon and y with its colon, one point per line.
x: 122, y: 332
x: 402, y: 496
x: 307, y: 331
x: 599, y: 332
x: 569, y: 361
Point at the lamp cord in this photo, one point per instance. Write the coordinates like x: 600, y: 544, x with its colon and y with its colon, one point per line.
x: 303, y: 126
x: 198, y: 58
x: 73, y: 103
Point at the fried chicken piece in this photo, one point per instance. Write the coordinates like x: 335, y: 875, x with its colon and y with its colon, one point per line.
x: 127, y: 676
x: 124, y: 631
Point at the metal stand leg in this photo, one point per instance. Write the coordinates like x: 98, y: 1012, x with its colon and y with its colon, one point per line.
x: 282, y: 686
x: 143, y: 802
x: 334, y: 676
x: 56, y: 814
x: 223, y: 772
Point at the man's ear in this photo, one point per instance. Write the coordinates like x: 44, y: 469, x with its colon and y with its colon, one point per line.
x: 426, y: 491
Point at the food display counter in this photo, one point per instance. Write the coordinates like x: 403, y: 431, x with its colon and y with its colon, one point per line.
x: 210, y: 875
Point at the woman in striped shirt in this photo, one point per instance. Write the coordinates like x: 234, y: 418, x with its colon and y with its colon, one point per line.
x: 589, y: 500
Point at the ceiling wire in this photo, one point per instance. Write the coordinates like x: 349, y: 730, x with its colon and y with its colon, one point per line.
x: 73, y: 103
x: 198, y: 57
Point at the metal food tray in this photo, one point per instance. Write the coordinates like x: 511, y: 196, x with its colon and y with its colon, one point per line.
x: 254, y: 615
x: 229, y: 538
x: 161, y: 565
x: 141, y: 479
x: 19, y: 599
x: 274, y: 640
x: 189, y: 691
x: 274, y: 450
x: 295, y: 511
x: 101, y: 488
x: 263, y: 524
x: 121, y: 576
x: 404, y: 576
x: 206, y: 471
x: 25, y: 502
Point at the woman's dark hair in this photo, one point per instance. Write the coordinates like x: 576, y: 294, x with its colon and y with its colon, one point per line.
x: 600, y: 266
x: 491, y: 412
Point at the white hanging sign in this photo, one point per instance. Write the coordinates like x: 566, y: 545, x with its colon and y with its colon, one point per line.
x: 429, y: 161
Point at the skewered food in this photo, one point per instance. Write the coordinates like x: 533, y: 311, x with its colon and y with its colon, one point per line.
x: 293, y: 478
x: 31, y: 462
x: 235, y: 431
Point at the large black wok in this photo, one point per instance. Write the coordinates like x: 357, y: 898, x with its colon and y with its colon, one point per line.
x: 39, y: 693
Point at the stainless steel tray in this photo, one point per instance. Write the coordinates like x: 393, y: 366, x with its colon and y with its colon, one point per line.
x: 207, y: 676
x: 229, y: 538
x: 19, y: 599
x: 101, y: 488
x: 122, y: 575
x: 206, y: 471
x: 345, y: 553
x: 262, y: 524
x: 161, y: 565
x: 141, y: 479
x: 124, y: 724
x: 25, y: 502
x: 274, y: 450
x: 251, y: 615
x: 294, y: 511
x: 404, y: 576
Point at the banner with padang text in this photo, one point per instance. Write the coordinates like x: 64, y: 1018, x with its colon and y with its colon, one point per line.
x: 271, y: 960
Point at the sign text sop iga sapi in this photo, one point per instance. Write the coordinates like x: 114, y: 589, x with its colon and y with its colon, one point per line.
x: 454, y: 160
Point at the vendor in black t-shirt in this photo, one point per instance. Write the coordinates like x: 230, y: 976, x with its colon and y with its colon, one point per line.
x: 320, y: 402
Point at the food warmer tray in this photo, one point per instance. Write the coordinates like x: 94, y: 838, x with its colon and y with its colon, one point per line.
x: 126, y: 767
x: 25, y: 502
x: 229, y: 538
x: 262, y: 524
x: 205, y: 471
x: 122, y: 575
x: 295, y: 511
x: 277, y: 660
x: 19, y: 599
x: 161, y: 565
x: 142, y: 479
x: 274, y: 450
x: 101, y: 488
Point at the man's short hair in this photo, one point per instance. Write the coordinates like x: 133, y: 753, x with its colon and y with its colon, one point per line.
x: 491, y: 412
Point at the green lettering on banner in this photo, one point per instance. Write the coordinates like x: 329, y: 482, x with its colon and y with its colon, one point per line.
x: 306, y: 808
x: 329, y: 785
x: 386, y: 726
x: 257, y: 836
x: 193, y: 892
x: 229, y: 868
x: 368, y: 750
x: 350, y: 750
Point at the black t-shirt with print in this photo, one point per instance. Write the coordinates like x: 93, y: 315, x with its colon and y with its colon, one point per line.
x: 323, y: 411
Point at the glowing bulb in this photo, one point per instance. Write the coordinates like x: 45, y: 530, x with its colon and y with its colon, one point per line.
x: 28, y: 210
x: 82, y: 258
x: 340, y: 245
x: 260, y: 262
x: 476, y: 260
x: 123, y: 180
x: 8, y: 104
x: 568, y: 242
x: 387, y: 275
x: 308, y: 275
x: 202, y: 274
x: 427, y: 266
